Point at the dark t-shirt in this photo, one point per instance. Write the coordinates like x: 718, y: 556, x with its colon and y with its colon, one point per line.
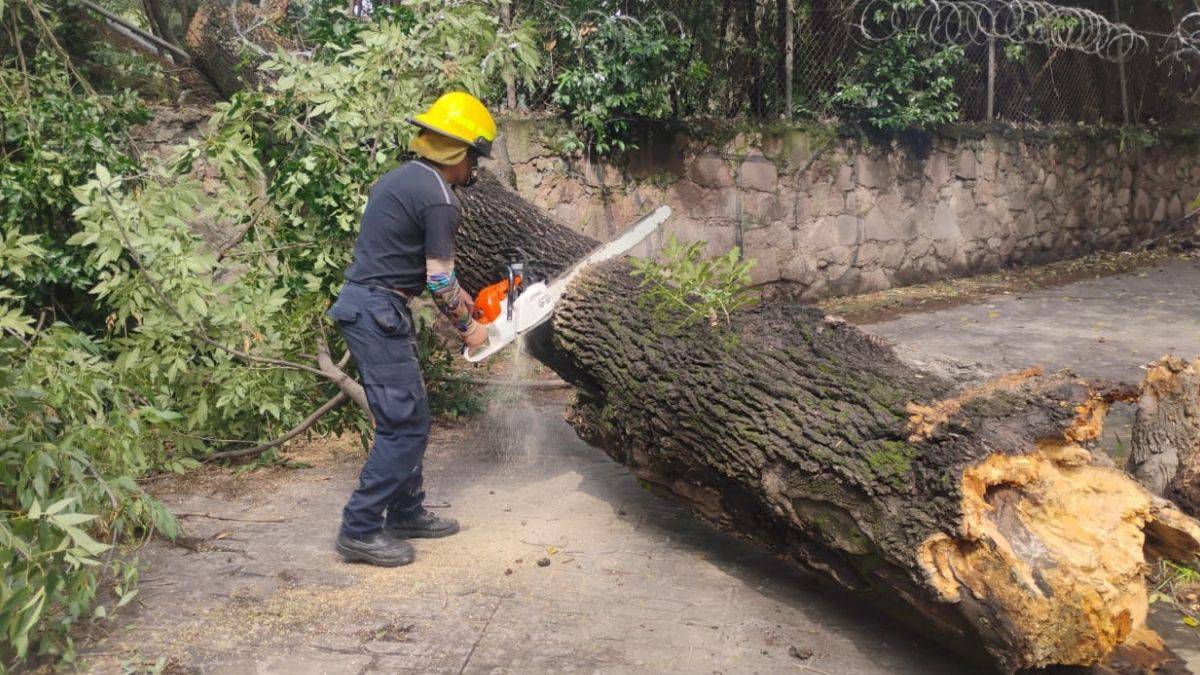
x: 411, y: 215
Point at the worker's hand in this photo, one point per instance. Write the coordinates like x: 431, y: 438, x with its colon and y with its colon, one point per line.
x: 476, y: 336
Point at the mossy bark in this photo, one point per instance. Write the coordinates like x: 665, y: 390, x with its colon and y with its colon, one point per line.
x: 974, y: 514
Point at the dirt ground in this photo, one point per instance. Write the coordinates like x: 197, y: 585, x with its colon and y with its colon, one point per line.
x: 633, y: 584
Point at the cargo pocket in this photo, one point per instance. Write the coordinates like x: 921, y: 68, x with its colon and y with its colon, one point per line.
x: 405, y: 375
x: 401, y: 409
x: 389, y: 315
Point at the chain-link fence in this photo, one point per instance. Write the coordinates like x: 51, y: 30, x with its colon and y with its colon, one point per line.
x: 1024, y: 61
x: 1163, y: 81
x: 1041, y: 83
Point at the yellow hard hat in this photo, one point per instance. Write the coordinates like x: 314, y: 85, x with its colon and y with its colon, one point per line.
x: 463, y: 117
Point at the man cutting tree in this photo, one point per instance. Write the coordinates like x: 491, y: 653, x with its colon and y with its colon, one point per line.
x: 406, y: 245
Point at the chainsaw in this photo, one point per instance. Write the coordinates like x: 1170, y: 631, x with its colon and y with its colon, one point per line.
x: 518, y: 303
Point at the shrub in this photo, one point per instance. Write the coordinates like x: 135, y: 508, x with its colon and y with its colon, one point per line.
x: 54, y: 135
x: 616, y: 70
x: 901, y: 83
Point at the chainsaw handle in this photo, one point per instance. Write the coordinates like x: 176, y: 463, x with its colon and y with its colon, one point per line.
x: 489, y: 348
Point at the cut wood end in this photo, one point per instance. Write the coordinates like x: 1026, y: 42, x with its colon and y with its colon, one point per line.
x: 1052, y: 554
x: 1166, y: 371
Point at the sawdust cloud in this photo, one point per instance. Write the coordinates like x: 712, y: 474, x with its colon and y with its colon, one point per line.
x: 515, y: 430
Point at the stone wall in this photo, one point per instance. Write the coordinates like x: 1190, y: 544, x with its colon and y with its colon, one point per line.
x: 831, y: 215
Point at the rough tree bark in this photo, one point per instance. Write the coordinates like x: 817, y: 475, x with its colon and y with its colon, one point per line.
x: 228, y: 47
x: 976, y: 514
x: 1164, y: 452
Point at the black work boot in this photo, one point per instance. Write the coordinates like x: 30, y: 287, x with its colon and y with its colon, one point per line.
x: 377, y: 549
x: 421, y: 523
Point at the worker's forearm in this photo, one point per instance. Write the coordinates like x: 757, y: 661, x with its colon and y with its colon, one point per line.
x: 451, y: 300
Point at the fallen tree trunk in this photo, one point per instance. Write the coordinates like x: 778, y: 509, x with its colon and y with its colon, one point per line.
x: 1164, y: 448
x: 975, y: 515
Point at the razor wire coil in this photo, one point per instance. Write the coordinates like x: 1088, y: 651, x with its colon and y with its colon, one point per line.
x: 961, y: 22
x: 1184, y: 41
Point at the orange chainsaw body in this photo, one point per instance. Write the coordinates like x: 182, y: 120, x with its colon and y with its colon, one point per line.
x: 490, y: 301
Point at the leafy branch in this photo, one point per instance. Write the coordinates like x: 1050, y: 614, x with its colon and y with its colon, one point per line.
x: 688, y: 289
x: 179, y: 349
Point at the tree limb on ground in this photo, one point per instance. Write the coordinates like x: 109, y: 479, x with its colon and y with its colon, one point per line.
x: 212, y: 516
x: 295, y: 431
x: 498, y: 382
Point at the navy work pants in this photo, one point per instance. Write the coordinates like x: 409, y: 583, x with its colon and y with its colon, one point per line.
x: 378, y: 329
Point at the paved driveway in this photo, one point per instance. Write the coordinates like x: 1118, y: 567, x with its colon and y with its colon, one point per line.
x: 1104, y: 328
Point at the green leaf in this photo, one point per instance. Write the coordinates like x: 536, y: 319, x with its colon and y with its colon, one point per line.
x: 84, y: 540
x: 67, y: 519
x: 126, y: 597
x: 30, y: 613
x: 59, y: 505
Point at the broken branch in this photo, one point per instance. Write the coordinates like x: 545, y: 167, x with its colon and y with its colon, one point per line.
x: 295, y: 431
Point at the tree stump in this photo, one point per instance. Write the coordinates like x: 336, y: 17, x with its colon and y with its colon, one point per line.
x: 1164, y: 452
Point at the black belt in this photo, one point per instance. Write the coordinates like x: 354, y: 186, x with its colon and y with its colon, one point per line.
x: 408, y: 297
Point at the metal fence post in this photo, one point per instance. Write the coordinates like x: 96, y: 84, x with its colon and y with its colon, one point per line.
x: 789, y: 58
x: 991, y: 81
x: 1121, y: 71
x: 1124, y: 91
